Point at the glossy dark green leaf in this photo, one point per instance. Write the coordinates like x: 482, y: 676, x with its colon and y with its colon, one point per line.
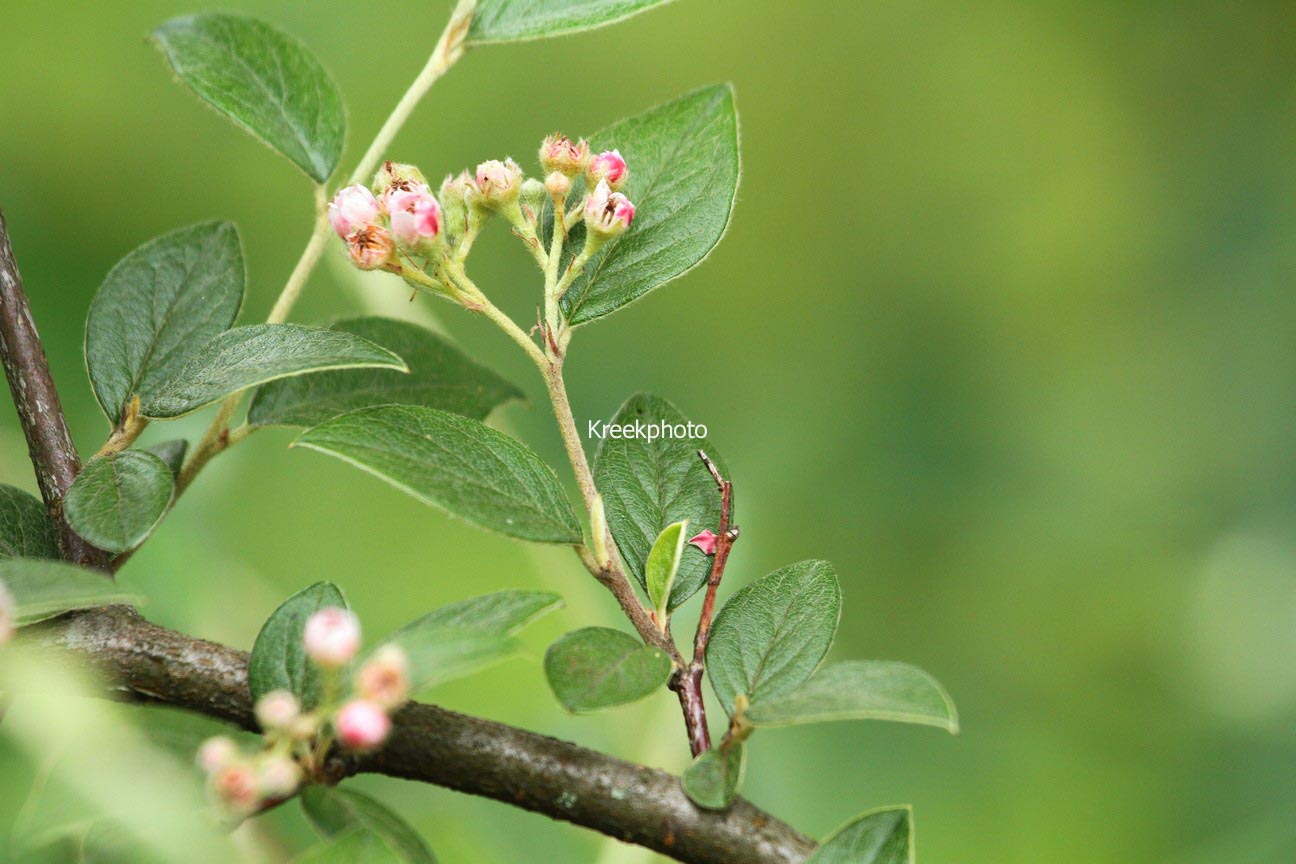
x: 598, y: 667
x: 263, y: 80
x: 279, y: 659
x: 684, y: 167
x: 117, y: 500
x: 859, y: 690
x: 714, y: 778
x: 247, y: 356
x: 455, y: 463
x: 517, y: 20
x: 172, y: 453
x: 440, y: 376
x: 158, y: 307
x: 877, y: 837
x: 43, y: 589
x: 649, y: 484
x: 772, y: 634
x: 334, y: 810
x: 25, y: 529
x: 664, y: 563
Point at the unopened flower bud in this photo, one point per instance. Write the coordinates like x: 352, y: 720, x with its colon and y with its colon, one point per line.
x: 608, y: 166
x: 371, y: 247
x: 215, y: 753
x: 332, y: 637
x: 277, y: 710
x: 415, y: 216
x: 558, y: 186
x: 559, y: 153
x: 237, y: 788
x: 278, y: 776
x: 498, y: 182
x: 706, y: 541
x: 305, y: 727
x: 608, y: 213
x: 8, y: 614
x: 396, y: 177
x: 361, y: 725
x: 351, y: 209
x: 532, y: 199
x: 384, y: 677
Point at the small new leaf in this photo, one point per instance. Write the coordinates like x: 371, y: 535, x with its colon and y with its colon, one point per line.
x: 279, y: 659
x: 860, y: 690
x: 772, y: 634
x: 455, y: 463
x: 117, y: 500
x: 263, y: 80
x: 247, y: 356
x: 714, y: 778
x: 663, y: 564
x: 878, y: 837
x: 334, y: 810
x: 25, y: 530
x: 518, y: 20
x: 43, y: 589
x: 598, y: 667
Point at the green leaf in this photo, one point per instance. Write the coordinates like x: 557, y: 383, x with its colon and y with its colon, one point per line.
x: 648, y: 485
x: 278, y: 659
x: 440, y: 376
x: 772, y: 634
x: 117, y: 500
x: 878, y: 837
x: 502, y: 613
x: 598, y: 667
x: 335, y: 810
x: 247, y: 356
x: 157, y: 307
x: 713, y: 780
x: 43, y: 589
x: 516, y: 20
x: 355, y: 846
x: 455, y: 463
x: 263, y: 80
x: 25, y: 529
x: 663, y: 564
x: 859, y: 690
x: 684, y: 167
x: 441, y: 654
x: 171, y: 452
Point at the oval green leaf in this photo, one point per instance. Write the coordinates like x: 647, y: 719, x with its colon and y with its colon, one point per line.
x: 519, y: 20
x: 502, y: 613
x: 247, y: 356
x: 860, y: 690
x: 455, y: 463
x: 43, y: 589
x: 263, y: 80
x: 25, y: 529
x: 878, y: 837
x: 440, y: 654
x: 157, y: 307
x: 440, y: 376
x: 649, y: 484
x: 598, y: 667
x: 684, y: 168
x: 713, y: 780
x: 278, y: 660
x: 772, y: 634
x: 336, y: 810
x: 663, y: 564
x: 117, y: 500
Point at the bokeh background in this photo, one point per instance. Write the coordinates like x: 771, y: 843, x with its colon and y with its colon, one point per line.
x: 1004, y: 328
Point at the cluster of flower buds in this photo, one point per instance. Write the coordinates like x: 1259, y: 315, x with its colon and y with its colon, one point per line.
x: 398, y: 214
x: 354, y: 713
x: 607, y: 212
x: 8, y: 615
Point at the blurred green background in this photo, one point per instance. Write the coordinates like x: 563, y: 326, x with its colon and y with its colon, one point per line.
x: 1003, y: 328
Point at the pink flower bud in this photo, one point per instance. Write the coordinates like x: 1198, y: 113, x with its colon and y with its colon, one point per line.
x: 237, y: 788
x: 8, y: 615
x: 608, y: 213
x: 608, y: 166
x: 352, y: 208
x: 215, y: 753
x: 706, y: 541
x: 559, y: 153
x: 384, y: 677
x: 277, y: 710
x: 278, y: 776
x: 361, y: 725
x: 332, y: 637
x: 415, y: 215
x: 499, y: 182
x: 371, y: 248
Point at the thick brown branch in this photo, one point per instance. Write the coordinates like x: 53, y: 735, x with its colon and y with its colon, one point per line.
x: 635, y: 804
x: 48, y: 440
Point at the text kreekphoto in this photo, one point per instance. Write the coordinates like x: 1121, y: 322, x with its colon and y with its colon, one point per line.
x: 599, y: 430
